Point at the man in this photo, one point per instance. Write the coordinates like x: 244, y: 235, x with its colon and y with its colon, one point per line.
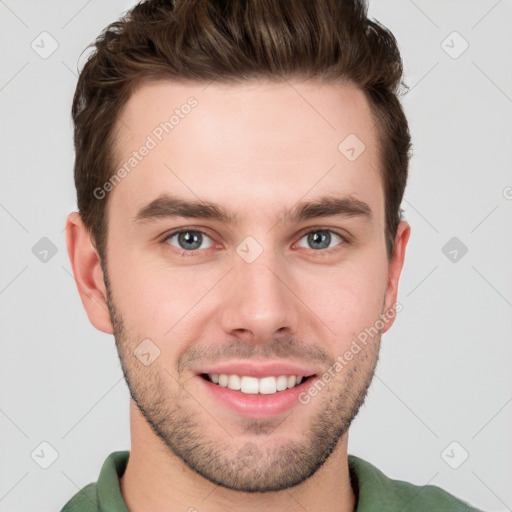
x: 239, y: 169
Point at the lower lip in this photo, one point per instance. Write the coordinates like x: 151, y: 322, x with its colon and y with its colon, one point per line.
x: 257, y: 405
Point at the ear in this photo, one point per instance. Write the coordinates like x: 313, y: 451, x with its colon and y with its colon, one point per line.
x: 394, y: 270
x: 85, y: 263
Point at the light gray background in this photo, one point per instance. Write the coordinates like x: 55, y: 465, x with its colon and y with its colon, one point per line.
x: 444, y: 371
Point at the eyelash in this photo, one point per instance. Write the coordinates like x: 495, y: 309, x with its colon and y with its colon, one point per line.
x: 196, y: 252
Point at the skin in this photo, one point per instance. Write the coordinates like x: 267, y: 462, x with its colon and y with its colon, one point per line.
x: 255, y: 149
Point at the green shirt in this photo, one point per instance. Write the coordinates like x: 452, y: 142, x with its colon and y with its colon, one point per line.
x: 375, y: 492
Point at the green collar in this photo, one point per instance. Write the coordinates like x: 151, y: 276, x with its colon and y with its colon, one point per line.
x: 375, y: 492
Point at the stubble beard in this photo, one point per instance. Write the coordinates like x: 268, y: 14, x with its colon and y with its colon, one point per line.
x: 246, y: 466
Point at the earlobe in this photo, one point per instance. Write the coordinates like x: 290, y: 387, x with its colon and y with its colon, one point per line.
x: 394, y: 271
x: 88, y: 274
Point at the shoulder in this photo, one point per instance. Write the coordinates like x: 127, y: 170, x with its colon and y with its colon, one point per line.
x: 376, y: 491
x: 105, y: 494
x: 86, y: 500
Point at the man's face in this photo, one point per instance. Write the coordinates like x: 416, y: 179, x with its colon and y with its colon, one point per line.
x: 263, y: 295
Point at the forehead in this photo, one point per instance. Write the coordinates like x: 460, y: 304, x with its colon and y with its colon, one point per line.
x: 254, y: 146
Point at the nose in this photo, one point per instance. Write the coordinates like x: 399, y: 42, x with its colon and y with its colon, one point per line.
x: 260, y: 300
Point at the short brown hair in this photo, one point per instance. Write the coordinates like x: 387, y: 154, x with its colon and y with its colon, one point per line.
x: 235, y: 41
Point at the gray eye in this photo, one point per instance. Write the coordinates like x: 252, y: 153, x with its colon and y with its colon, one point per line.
x: 188, y: 239
x: 319, y: 239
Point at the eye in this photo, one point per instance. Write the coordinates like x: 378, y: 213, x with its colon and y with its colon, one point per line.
x: 322, y: 238
x: 189, y: 240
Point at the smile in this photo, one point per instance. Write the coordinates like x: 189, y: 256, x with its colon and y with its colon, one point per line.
x: 253, y: 385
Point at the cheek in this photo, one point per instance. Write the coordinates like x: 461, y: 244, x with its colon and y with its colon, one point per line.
x: 138, y: 292
x: 158, y: 301
x: 351, y: 299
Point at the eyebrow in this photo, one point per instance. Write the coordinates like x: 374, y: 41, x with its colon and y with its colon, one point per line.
x: 168, y: 207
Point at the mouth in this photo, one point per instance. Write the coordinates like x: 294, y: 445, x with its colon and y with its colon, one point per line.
x: 256, y: 388
x: 249, y: 385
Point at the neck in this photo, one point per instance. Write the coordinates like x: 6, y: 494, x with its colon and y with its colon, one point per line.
x: 156, y: 479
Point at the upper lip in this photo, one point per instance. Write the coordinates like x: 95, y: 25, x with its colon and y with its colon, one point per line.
x: 258, y: 369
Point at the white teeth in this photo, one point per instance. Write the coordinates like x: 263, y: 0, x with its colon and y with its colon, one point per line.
x: 234, y: 382
x: 249, y: 385
x: 282, y: 382
x: 253, y: 385
x: 268, y: 385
